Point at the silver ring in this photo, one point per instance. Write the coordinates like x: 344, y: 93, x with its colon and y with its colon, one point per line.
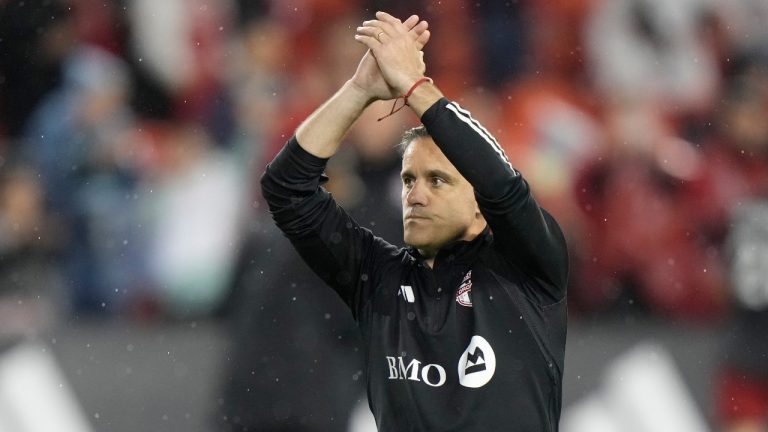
x: 378, y: 36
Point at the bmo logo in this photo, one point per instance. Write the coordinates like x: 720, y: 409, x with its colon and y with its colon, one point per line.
x: 476, y: 367
x: 431, y: 374
x: 477, y: 364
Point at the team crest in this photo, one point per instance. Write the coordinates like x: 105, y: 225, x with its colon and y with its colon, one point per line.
x: 477, y: 364
x: 464, y: 295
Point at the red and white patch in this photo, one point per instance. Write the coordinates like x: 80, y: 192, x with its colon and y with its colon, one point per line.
x: 464, y: 295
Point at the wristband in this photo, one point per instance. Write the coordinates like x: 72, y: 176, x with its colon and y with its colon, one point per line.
x: 408, y: 94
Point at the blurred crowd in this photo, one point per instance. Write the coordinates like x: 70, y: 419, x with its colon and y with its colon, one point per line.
x: 132, y: 135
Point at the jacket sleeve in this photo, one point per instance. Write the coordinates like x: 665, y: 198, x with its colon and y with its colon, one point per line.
x: 337, y: 249
x: 523, y: 232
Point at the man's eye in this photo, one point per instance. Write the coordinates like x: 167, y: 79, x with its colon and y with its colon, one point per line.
x: 437, y: 181
x: 407, y: 182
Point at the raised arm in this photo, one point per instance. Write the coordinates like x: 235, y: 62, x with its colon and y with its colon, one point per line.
x: 525, y: 233
x: 321, y: 133
x: 333, y: 245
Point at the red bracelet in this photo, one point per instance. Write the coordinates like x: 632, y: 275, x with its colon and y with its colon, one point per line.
x: 408, y: 94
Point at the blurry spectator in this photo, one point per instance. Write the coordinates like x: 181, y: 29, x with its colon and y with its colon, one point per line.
x: 35, y: 37
x: 256, y: 85
x: 735, y: 152
x: 653, y: 49
x: 194, y: 209
x: 29, y: 283
x: 742, y: 390
x: 80, y: 139
x: 181, y: 44
x: 642, y: 243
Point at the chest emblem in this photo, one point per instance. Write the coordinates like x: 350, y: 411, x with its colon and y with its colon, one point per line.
x: 477, y: 364
x: 464, y: 294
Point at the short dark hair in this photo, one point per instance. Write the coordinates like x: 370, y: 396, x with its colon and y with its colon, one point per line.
x: 410, y: 135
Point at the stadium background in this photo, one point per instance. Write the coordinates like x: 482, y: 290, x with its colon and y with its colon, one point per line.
x: 138, y: 266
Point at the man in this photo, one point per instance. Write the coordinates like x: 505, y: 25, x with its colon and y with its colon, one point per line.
x: 465, y: 328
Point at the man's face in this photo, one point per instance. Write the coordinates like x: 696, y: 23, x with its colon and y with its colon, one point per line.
x: 438, y: 203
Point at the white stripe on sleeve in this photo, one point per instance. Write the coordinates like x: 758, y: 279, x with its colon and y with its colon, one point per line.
x: 466, y: 117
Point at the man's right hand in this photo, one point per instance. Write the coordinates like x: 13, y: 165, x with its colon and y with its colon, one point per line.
x: 368, y: 77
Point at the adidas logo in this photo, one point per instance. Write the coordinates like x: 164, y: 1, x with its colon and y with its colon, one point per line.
x: 407, y: 292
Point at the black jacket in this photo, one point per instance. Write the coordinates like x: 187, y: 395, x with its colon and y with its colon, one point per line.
x: 477, y: 342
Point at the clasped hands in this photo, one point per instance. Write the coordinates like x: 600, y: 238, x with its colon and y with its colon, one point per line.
x: 394, y: 61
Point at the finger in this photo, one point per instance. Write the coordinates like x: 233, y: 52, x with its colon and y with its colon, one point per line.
x: 383, y: 16
x: 411, y: 21
x: 385, y: 26
x: 418, y: 29
x: 369, y: 31
x: 368, y: 41
x: 396, y: 24
x: 423, y: 38
x: 373, y: 32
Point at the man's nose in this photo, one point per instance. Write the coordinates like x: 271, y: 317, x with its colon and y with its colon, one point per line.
x: 417, y: 195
